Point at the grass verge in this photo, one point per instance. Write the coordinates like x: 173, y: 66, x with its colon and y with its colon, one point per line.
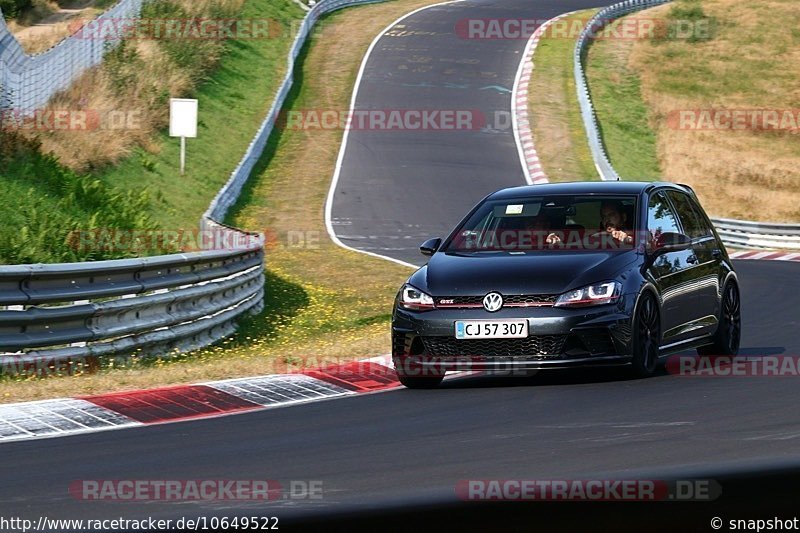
x: 745, y: 59
x: 718, y: 55
x: 623, y: 117
x: 323, y: 303
x: 558, y: 131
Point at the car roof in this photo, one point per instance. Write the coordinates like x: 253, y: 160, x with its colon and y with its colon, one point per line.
x: 581, y: 187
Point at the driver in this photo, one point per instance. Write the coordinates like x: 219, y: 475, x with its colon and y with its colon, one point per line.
x: 614, y: 221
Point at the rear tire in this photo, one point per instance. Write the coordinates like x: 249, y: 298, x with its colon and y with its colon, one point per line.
x: 729, y: 331
x: 646, y: 336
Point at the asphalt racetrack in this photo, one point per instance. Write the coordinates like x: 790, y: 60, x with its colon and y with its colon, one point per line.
x: 397, y: 188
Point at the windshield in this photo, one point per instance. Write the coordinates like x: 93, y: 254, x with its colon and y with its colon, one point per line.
x: 552, y: 223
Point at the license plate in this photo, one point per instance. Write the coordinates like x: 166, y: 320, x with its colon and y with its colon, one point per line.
x: 491, y: 329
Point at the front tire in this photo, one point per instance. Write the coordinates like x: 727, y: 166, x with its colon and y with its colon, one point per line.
x: 417, y: 382
x: 646, y: 336
x: 415, y: 376
x: 729, y: 331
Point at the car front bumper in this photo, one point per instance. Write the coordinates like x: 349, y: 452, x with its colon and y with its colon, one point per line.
x: 558, y: 338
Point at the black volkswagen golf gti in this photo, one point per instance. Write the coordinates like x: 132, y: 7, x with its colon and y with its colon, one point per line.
x: 560, y: 275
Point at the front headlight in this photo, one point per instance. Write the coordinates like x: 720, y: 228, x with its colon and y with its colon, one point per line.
x: 414, y: 299
x: 597, y: 294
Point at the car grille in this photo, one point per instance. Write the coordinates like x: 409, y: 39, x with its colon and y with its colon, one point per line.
x: 513, y: 300
x: 535, y: 345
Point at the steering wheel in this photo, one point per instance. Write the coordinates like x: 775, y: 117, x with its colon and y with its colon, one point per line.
x: 603, y: 234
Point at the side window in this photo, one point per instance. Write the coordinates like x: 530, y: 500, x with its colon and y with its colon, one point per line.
x: 660, y: 218
x: 705, y: 224
x: 693, y: 224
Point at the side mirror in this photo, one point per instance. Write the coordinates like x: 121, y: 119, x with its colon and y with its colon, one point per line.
x: 671, y: 242
x: 430, y: 246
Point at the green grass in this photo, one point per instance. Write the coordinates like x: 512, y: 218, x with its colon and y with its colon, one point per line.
x: 233, y: 102
x: 748, y: 60
x: 13, y: 8
x: 145, y: 190
x: 47, y: 202
x: 621, y: 111
x: 558, y: 129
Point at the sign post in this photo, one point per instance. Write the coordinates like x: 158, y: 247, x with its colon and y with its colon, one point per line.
x: 183, y: 123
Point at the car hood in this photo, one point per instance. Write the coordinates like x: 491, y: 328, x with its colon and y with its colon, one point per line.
x: 448, y: 274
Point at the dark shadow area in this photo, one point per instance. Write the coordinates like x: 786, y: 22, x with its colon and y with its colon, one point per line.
x: 282, y: 301
x: 765, y: 350
x: 581, y: 375
x: 746, y: 494
x: 540, y: 378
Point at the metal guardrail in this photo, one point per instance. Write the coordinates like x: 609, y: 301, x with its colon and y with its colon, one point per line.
x: 153, y: 304
x: 590, y: 123
x: 737, y: 233
x: 64, y: 313
x: 747, y: 234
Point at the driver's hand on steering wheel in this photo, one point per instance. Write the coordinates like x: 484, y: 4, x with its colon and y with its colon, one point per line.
x: 621, y: 236
x: 553, y: 239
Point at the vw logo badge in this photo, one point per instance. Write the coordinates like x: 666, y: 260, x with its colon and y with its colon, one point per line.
x: 493, y: 302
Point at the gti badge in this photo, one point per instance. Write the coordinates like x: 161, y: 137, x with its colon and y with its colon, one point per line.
x: 493, y: 302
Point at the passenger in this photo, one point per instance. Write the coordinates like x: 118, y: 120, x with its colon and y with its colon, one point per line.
x: 540, y: 224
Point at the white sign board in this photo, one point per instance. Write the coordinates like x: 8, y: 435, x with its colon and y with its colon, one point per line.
x: 182, y: 117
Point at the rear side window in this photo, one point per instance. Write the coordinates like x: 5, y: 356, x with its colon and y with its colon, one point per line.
x: 660, y: 217
x: 693, y: 223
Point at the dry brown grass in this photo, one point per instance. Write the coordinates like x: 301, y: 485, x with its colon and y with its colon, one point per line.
x: 134, y: 90
x: 347, y: 296
x: 751, y: 63
x: 139, y: 102
x: 39, y: 38
x: 47, y: 23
